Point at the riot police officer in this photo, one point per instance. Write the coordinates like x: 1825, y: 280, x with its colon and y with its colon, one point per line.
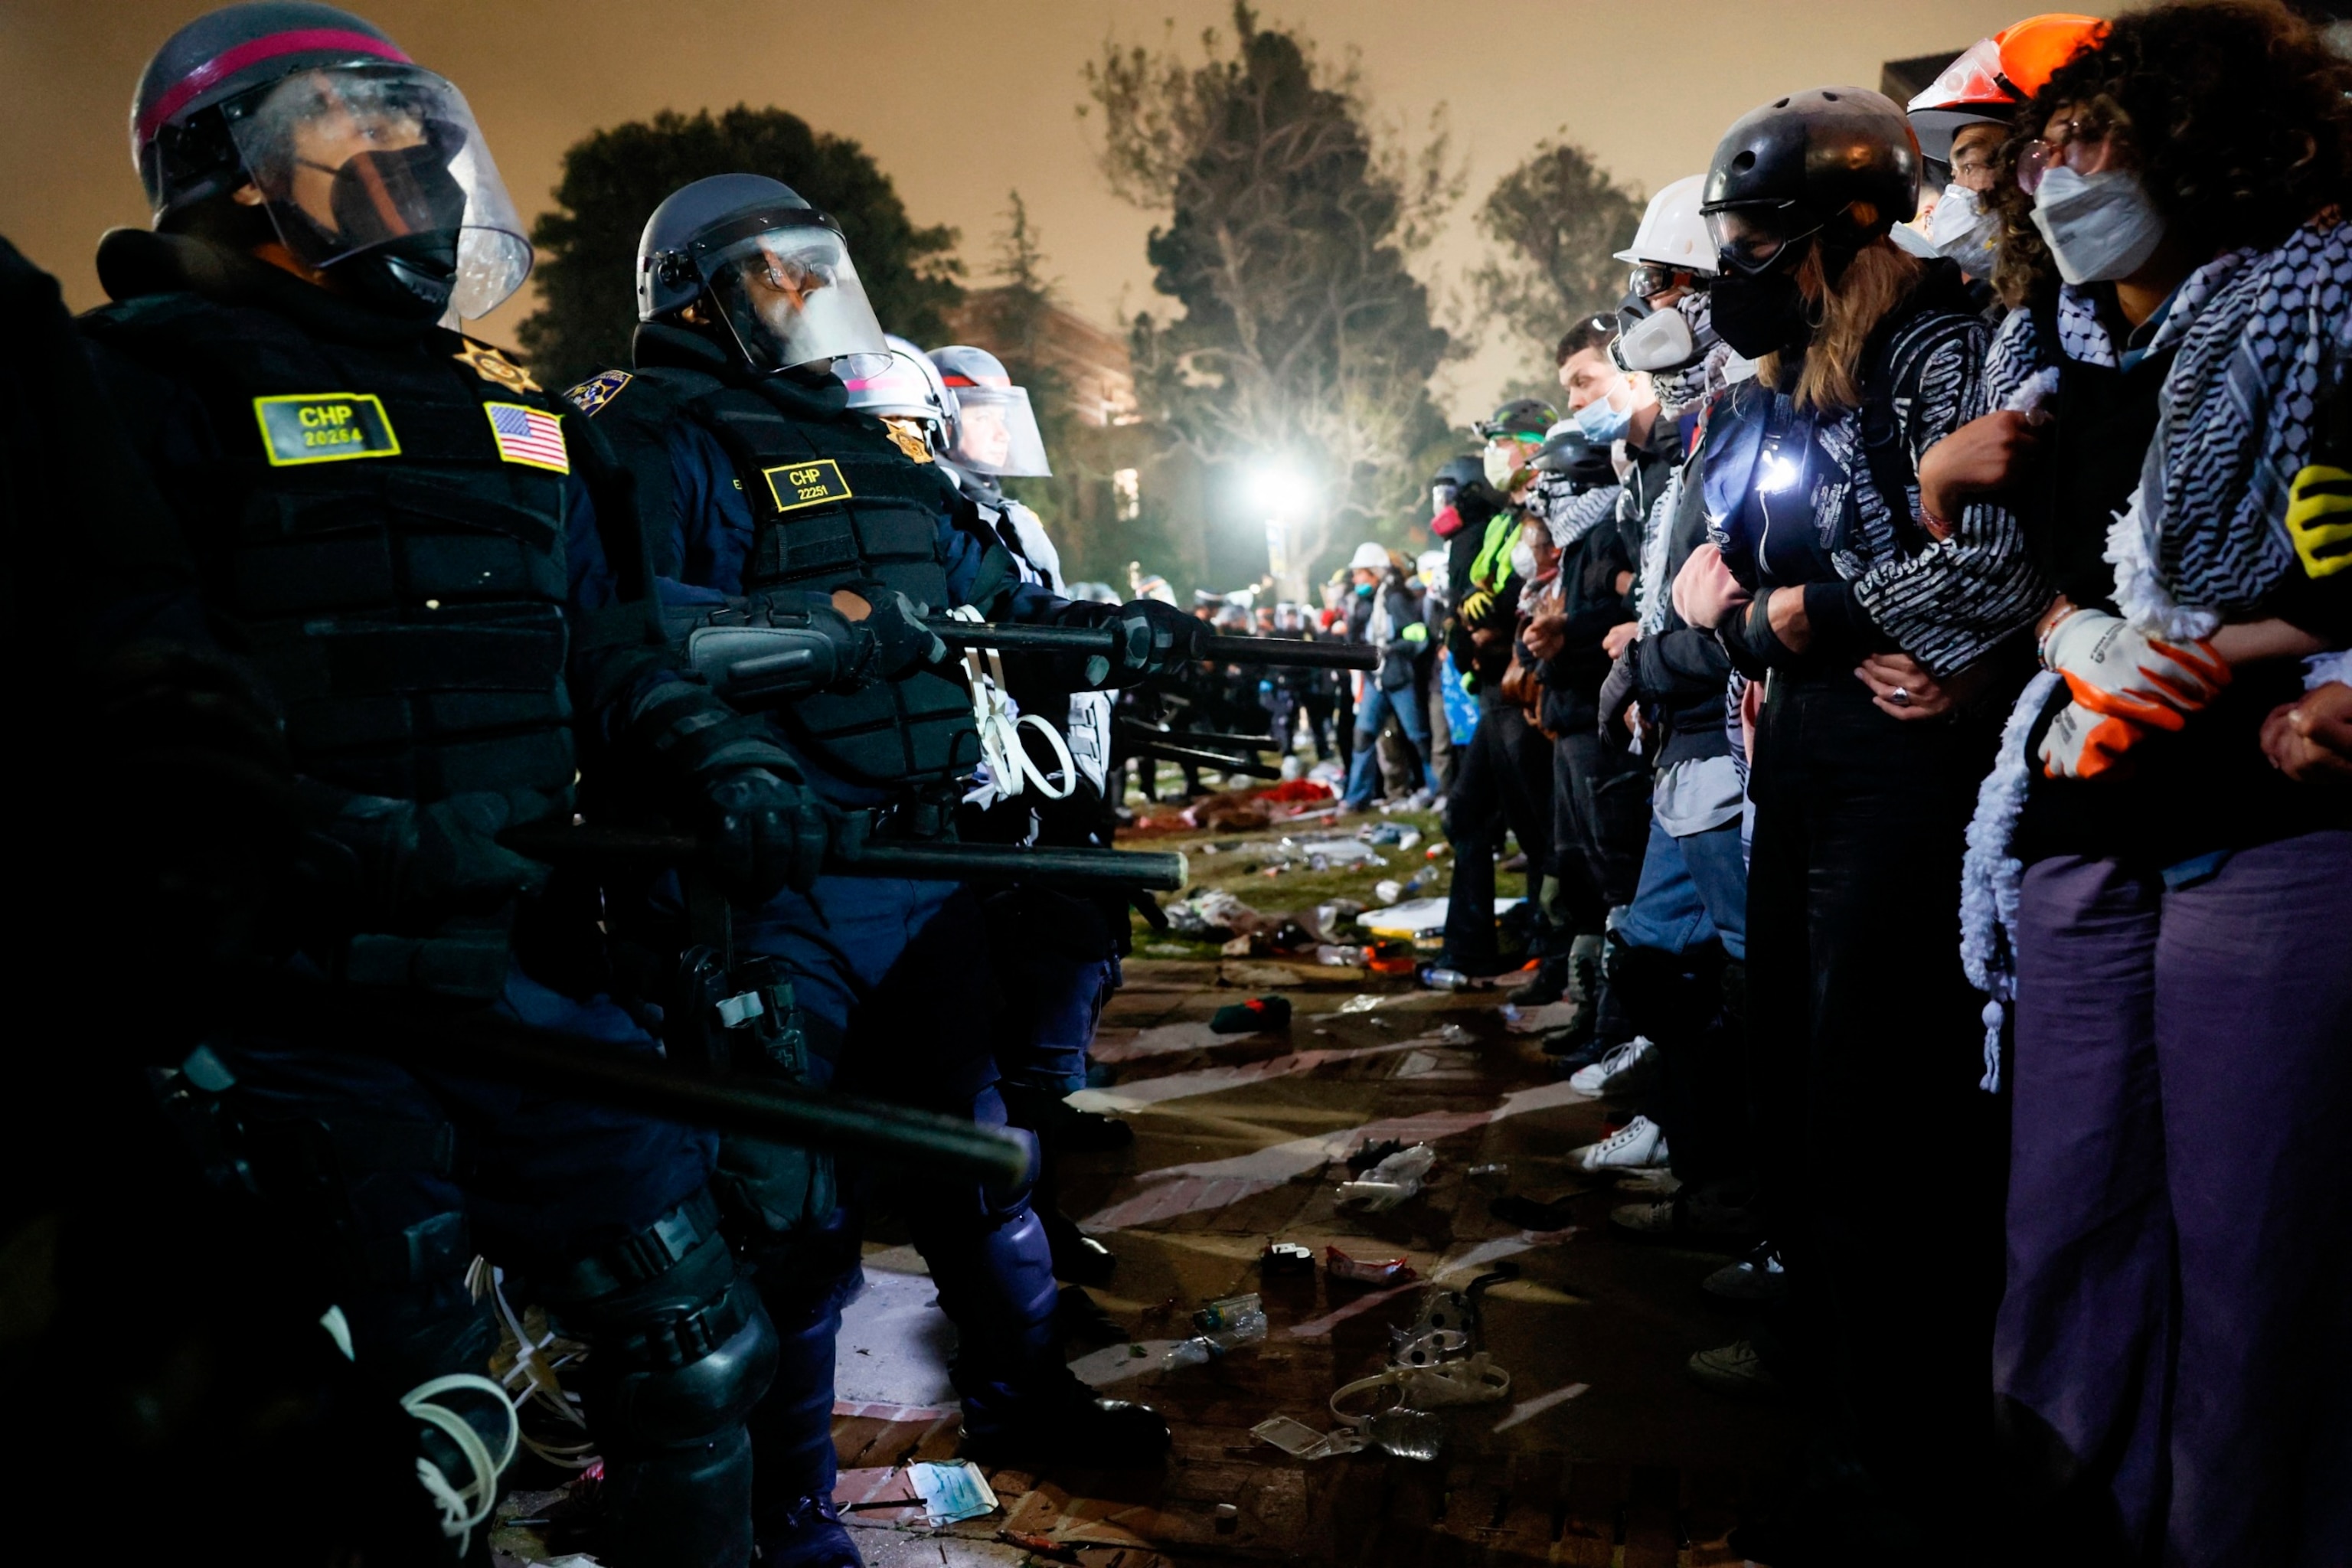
x: 420, y: 560
x: 1056, y: 953
x: 766, y: 491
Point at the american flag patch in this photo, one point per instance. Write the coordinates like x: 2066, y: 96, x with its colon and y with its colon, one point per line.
x: 529, y: 436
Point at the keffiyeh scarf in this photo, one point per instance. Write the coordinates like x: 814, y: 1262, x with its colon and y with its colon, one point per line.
x: 2260, y: 337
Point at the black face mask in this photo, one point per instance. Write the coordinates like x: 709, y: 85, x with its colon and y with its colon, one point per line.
x: 397, y: 215
x: 412, y: 278
x: 1631, y: 309
x: 1758, y: 316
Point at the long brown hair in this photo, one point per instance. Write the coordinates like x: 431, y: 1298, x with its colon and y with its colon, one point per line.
x: 1879, y: 278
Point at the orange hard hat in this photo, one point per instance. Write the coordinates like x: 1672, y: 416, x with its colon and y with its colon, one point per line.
x: 2032, y: 51
x: 1993, y: 76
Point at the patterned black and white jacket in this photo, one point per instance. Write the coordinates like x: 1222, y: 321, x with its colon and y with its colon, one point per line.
x: 1947, y: 603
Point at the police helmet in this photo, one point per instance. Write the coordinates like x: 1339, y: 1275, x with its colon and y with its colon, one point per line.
x: 994, y: 430
x: 774, y: 269
x: 369, y: 167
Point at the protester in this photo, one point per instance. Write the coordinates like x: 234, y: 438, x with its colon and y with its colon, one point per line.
x: 1504, y: 783
x: 1386, y: 614
x: 2166, y: 1359
x: 1872, y: 632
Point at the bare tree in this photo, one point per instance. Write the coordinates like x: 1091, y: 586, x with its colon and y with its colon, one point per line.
x: 1557, y: 221
x: 1305, y: 341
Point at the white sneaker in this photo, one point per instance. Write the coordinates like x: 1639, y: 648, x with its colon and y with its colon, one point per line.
x: 1638, y: 1145
x: 1758, y: 1277
x: 1628, y: 1070
x: 1735, y: 1369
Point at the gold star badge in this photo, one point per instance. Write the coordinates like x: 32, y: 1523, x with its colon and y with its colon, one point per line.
x: 907, y: 437
x: 495, y: 367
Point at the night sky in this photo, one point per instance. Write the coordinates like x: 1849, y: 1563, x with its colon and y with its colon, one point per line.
x: 963, y: 102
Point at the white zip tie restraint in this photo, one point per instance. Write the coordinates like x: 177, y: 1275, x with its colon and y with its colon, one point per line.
x: 463, y: 1508
x: 532, y: 1378
x: 1001, y: 723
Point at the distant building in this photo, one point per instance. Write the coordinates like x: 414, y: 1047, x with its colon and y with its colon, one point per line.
x: 1092, y: 360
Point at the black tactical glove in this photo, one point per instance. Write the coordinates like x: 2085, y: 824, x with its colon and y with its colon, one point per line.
x: 892, y: 627
x: 768, y: 833
x: 392, y: 865
x: 1161, y: 640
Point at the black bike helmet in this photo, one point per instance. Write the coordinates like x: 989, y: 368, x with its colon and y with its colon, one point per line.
x: 1839, y: 162
x: 1569, y: 450
x: 1523, y: 418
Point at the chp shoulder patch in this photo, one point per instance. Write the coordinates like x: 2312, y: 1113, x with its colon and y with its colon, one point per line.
x: 591, y: 395
x: 810, y: 483
x: 325, y: 427
x: 494, y: 367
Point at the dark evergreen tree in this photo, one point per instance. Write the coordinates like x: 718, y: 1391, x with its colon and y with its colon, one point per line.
x: 1305, y: 338
x: 1557, y: 221
x: 613, y: 180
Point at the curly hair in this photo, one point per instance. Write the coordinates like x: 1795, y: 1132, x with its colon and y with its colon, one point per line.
x: 2238, y: 117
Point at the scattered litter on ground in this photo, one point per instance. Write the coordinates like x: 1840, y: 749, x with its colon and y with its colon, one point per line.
x: 1365, y: 1155
x: 1341, y: 1265
x: 1259, y: 1015
x: 1392, y: 1181
x: 1167, y: 949
x: 1285, y: 1257
x: 1223, y: 1325
x: 1322, y: 854
x: 1490, y: 1176
x: 952, y: 1491
x: 1417, y: 917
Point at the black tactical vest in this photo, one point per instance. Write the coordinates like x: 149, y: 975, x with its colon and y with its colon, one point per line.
x: 833, y: 502
x: 386, y: 522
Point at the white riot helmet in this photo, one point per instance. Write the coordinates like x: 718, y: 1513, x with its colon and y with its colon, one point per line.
x: 1370, y: 557
x: 1672, y: 233
x: 905, y: 386
x: 993, y: 430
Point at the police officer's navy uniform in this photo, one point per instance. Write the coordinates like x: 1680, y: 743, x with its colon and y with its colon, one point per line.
x: 389, y: 516
x: 768, y: 484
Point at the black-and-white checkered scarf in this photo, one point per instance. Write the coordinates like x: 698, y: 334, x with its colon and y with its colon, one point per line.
x: 2261, y: 336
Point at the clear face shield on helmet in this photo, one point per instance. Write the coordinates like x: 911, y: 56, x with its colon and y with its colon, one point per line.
x: 383, y: 160
x: 790, y: 294
x: 996, y: 432
x: 903, y: 388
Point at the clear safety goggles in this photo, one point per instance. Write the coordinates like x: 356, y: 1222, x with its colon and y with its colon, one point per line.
x: 350, y: 158
x: 1753, y: 237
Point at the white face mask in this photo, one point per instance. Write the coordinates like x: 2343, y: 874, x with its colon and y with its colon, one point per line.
x: 1501, y: 463
x: 1523, y: 560
x: 1962, y: 232
x: 2099, y: 228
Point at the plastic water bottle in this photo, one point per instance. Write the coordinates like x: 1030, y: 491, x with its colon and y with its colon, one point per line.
x: 1445, y: 980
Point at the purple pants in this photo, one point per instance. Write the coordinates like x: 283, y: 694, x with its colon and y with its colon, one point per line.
x: 2169, y: 1364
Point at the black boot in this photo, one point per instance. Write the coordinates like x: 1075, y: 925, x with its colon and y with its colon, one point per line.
x: 1021, y: 1402
x: 1582, y: 989
x: 1077, y: 1256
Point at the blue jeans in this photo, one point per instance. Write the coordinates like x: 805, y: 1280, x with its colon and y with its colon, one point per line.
x: 1692, y: 889
x: 1364, y: 770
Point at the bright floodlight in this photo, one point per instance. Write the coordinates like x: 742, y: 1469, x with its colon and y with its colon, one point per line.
x: 1279, y: 489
